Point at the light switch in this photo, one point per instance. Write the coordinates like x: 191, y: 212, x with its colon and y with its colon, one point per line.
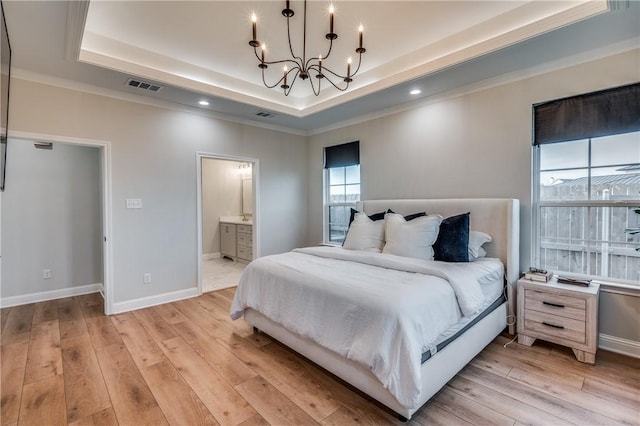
x: 134, y: 203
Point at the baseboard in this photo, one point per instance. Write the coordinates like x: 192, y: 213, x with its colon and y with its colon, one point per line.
x: 159, y: 299
x: 43, y: 296
x: 209, y: 256
x: 618, y: 345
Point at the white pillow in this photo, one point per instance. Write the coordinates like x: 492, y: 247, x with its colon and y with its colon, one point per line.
x: 364, y: 234
x: 476, y: 240
x: 413, y: 238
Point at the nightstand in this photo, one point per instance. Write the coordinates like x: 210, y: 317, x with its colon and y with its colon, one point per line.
x: 560, y: 313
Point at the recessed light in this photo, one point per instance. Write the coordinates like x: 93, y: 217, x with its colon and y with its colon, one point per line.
x: 415, y: 92
x: 203, y: 103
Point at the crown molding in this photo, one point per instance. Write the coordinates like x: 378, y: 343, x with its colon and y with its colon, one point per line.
x: 568, y: 61
x: 76, y: 19
x: 617, y: 48
x: 528, y: 20
x: 49, y: 80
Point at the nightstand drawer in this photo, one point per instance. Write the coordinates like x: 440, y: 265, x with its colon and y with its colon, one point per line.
x: 572, y: 302
x: 555, y: 305
x: 554, y: 326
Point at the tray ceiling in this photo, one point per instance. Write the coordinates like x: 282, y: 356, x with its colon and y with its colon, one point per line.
x: 203, y: 45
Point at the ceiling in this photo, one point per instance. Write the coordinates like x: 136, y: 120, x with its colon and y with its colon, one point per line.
x: 199, y: 50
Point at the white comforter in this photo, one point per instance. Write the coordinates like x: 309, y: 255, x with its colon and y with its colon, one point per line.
x: 380, y: 310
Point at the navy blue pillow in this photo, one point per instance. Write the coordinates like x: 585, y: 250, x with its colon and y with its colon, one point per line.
x: 414, y: 216
x: 452, y: 244
x: 380, y: 216
x: 410, y: 216
x: 374, y: 217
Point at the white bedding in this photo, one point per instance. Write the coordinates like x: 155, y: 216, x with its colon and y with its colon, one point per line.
x: 380, y: 310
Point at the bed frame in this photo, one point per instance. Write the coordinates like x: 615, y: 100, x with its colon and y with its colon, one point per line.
x: 496, y: 217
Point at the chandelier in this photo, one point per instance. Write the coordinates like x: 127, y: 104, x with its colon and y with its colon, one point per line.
x: 301, y: 66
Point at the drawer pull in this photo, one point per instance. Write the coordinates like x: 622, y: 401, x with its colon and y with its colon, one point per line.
x: 553, y: 325
x: 556, y: 305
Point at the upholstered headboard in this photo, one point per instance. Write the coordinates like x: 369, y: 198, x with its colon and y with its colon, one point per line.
x: 498, y: 217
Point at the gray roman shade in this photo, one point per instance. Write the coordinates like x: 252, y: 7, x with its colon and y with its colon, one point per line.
x: 347, y: 154
x: 607, y: 112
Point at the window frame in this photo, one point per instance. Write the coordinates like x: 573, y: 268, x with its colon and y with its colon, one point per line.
x: 326, y: 184
x: 538, y: 205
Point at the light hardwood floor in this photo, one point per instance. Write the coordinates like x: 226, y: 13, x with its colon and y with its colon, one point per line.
x: 187, y: 363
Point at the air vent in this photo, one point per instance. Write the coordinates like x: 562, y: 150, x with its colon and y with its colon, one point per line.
x: 43, y: 145
x: 618, y: 4
x: 143, y: 85
x: 264, y: 114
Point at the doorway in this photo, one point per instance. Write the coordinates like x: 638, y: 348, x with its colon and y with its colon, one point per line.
x: 228, y: 213
x: 61, y: 187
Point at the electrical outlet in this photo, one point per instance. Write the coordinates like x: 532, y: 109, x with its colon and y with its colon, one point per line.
x: 134, y: 203
x: 46, y: 274
x: 146, y: 278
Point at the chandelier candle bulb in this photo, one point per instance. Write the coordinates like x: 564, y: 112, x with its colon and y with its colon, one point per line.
x: 254, y: 23
x: 285, y: 75
x: 360, y: 29
x: 349, y: 67
x: 331, y: 9
x: 254, y: 42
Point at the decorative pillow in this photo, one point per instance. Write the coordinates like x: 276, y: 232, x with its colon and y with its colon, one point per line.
x: 481, y: 253
x: 411, y: 239
x: 452, y: 244
x: 364, y: 234
x: 375, y: 216
x: 476, y: 240
x: 410, y: 216
x: 414, y: 216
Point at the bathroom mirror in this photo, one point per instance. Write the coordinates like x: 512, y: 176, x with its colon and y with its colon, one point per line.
x: 247, y: 196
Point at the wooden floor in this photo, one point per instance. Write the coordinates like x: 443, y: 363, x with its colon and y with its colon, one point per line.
x: 186, y: 363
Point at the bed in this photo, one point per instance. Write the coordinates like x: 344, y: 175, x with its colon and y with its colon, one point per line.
x: 404, y: 372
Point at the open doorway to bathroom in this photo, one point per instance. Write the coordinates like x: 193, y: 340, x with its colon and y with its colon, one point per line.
x: 227, y: 219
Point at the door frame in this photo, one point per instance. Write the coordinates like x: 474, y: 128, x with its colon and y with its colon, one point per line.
x: 255, y: 175
x: 107, y: 209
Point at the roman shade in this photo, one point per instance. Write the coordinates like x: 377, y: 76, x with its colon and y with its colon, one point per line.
x: 607, y: 112
x: 346, y: 154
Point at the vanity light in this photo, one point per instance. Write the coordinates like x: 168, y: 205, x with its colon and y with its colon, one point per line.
x: 415, y: 92
x: 203, y: 103
x: 244, y: 169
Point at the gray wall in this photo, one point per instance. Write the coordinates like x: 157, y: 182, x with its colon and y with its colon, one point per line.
x: 51, y: 218
x: 153, y: 152
x: 473, y: 145
x: 476, y: 144
x: 221, y: 196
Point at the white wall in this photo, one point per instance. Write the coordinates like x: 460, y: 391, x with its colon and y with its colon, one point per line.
x: 221, y: 196
x: 51, y: 218
x: 476, y: 144
x: 153, y: 158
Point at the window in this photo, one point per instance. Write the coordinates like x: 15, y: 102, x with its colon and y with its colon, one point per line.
x: 342, y: 189
x: 587, y: 195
